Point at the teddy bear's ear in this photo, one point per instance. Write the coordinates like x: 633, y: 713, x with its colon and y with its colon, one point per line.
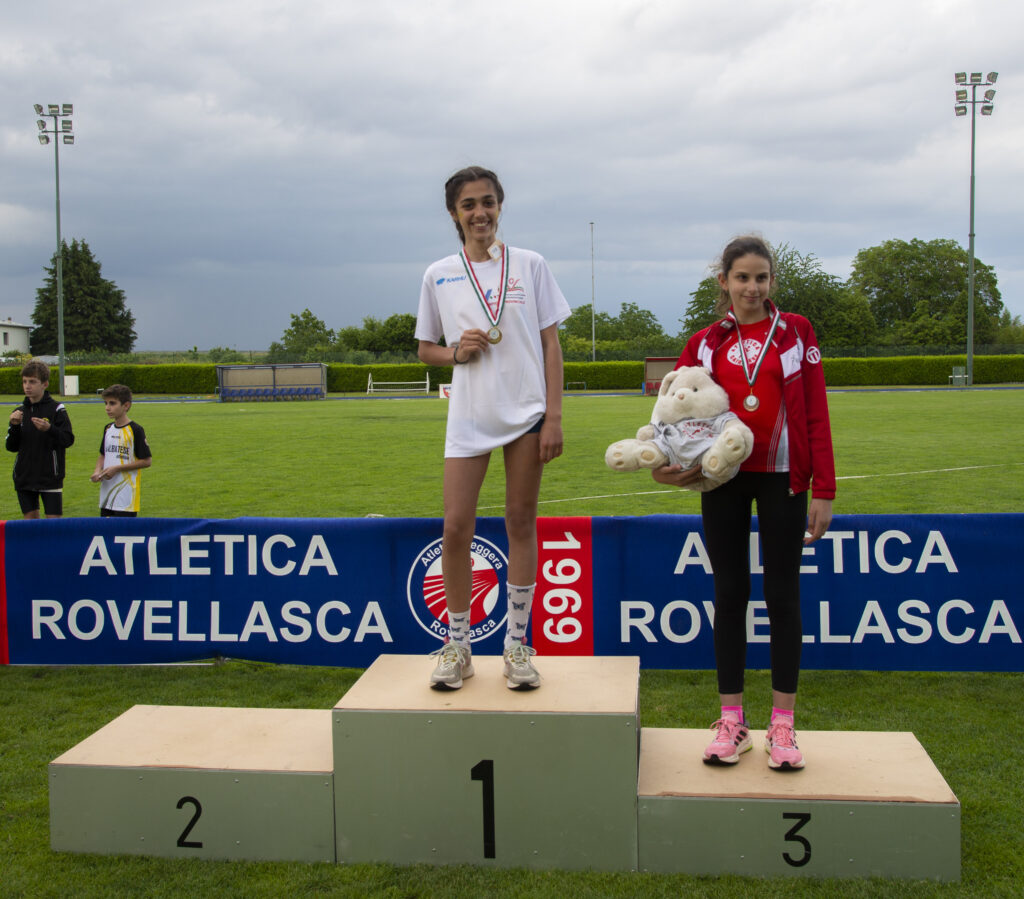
x: 666, y: 382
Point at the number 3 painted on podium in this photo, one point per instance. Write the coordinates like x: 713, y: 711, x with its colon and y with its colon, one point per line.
x: 791, y: 836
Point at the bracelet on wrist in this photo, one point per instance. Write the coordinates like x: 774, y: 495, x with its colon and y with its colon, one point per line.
x: 455, y: 355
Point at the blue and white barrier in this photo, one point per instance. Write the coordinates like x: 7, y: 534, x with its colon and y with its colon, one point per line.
x: 883, y: 592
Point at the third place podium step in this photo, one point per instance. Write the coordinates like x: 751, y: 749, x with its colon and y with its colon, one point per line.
x: 866, y: 805
x: 485, y: 775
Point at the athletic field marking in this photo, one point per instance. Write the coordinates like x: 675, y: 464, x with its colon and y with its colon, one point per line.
x: 902, y: 474
x: 849, y: 477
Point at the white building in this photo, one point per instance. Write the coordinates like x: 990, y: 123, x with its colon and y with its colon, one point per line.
x: 13, y: 337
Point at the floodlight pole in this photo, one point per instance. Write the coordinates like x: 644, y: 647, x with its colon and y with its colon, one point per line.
x: 961, y: 109
x: 60, y: 131
x: 970, y: 263
x: 593, y: 312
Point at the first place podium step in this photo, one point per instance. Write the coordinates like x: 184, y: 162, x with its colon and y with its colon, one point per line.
x: 485, y: 775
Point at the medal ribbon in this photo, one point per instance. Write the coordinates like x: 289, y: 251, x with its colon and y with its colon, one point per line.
x: 752, y: 377
x: 492, y: 317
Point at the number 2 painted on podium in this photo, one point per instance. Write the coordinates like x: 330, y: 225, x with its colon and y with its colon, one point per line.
x: 484, y: 772
x: 183, y: 841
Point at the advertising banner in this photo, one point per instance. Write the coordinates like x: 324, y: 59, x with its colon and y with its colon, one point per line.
x: 928, y: 593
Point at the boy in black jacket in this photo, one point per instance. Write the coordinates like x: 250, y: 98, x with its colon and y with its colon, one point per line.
x: 39, y: 432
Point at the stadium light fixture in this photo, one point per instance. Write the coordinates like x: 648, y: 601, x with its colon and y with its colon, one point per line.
x: 63, y: 128
x: 987, y: 106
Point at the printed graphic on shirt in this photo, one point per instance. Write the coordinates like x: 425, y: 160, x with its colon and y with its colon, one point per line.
x: 122, y: 446
x: 751, y: 346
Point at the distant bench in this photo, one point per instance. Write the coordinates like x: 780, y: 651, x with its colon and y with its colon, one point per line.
x: 397, y: 386
x: 268, y: 382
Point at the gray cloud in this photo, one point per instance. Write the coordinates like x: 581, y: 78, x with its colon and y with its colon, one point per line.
x: 238, y: 162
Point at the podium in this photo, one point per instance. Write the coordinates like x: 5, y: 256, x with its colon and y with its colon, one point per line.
x: 562, y: 777
x: 485, y: 775
x: 185, y: 782
x: 866, y: 805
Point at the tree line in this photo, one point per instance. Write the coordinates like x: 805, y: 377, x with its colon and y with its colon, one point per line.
x: 899, y: 294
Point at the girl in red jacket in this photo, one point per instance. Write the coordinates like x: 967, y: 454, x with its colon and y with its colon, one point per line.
x: 770, y: 365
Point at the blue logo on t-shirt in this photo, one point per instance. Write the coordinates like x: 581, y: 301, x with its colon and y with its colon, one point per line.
x: 450, y: 280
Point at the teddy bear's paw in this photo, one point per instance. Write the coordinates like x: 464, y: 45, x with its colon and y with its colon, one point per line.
x: 650, y: 457
x: 621, y: 456
x: 713, y: 464
x: 733, y: 447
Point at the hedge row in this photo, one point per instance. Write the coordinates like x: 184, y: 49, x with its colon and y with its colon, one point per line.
x: 178, y: 379
x: 189, y: 378
x: 919, y: 370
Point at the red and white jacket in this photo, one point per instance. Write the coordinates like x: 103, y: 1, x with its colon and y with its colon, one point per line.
x: 811, y: 464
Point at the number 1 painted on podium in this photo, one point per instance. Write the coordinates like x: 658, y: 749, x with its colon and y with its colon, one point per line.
x: 484, y: 772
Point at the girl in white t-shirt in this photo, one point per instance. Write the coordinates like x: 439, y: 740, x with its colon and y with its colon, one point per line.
x: 498, y: 309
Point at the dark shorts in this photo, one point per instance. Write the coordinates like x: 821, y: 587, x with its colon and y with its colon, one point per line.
x: 536, y: 428
x: 53, y: 501
x: 117, y: 513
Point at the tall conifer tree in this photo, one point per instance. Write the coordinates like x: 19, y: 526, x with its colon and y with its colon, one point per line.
x: 95, y: 314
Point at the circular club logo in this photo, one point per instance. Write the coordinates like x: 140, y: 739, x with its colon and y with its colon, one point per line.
x: 425, y: 589
x: 751, y: 346
x: 814, y: 355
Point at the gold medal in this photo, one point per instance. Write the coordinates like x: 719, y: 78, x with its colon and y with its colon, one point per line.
x: 494, y: 334
x: 751, y: 403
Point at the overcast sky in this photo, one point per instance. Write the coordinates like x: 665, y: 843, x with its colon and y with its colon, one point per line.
x: 237, y: 162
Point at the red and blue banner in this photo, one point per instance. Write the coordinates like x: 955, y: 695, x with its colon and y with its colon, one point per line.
x: 883, y: 592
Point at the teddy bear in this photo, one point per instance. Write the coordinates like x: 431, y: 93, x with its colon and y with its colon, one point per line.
x: 691, y: 425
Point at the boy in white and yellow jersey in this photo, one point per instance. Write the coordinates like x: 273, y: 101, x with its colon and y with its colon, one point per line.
x: 124, y: 450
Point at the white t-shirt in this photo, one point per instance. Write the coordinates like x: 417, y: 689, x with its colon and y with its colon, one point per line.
x: 499, y: 395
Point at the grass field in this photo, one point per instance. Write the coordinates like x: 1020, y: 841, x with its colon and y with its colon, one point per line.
x: 897, y: 452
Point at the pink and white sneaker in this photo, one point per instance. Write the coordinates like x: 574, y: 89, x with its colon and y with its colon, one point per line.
x: 780, y: 744
x: 731, y: 739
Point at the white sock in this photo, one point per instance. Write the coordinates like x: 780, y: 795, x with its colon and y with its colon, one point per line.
x: 520, y: 601
x: 458, y: 627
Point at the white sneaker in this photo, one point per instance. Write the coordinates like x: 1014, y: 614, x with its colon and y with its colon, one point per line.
x: 454, y: 663
x: 519, y: 671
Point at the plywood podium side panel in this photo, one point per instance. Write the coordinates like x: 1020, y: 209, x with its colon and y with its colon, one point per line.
x: 190, y: 813
x: 511, y: 790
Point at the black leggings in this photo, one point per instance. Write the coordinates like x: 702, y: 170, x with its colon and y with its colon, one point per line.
x: 782, y: 520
